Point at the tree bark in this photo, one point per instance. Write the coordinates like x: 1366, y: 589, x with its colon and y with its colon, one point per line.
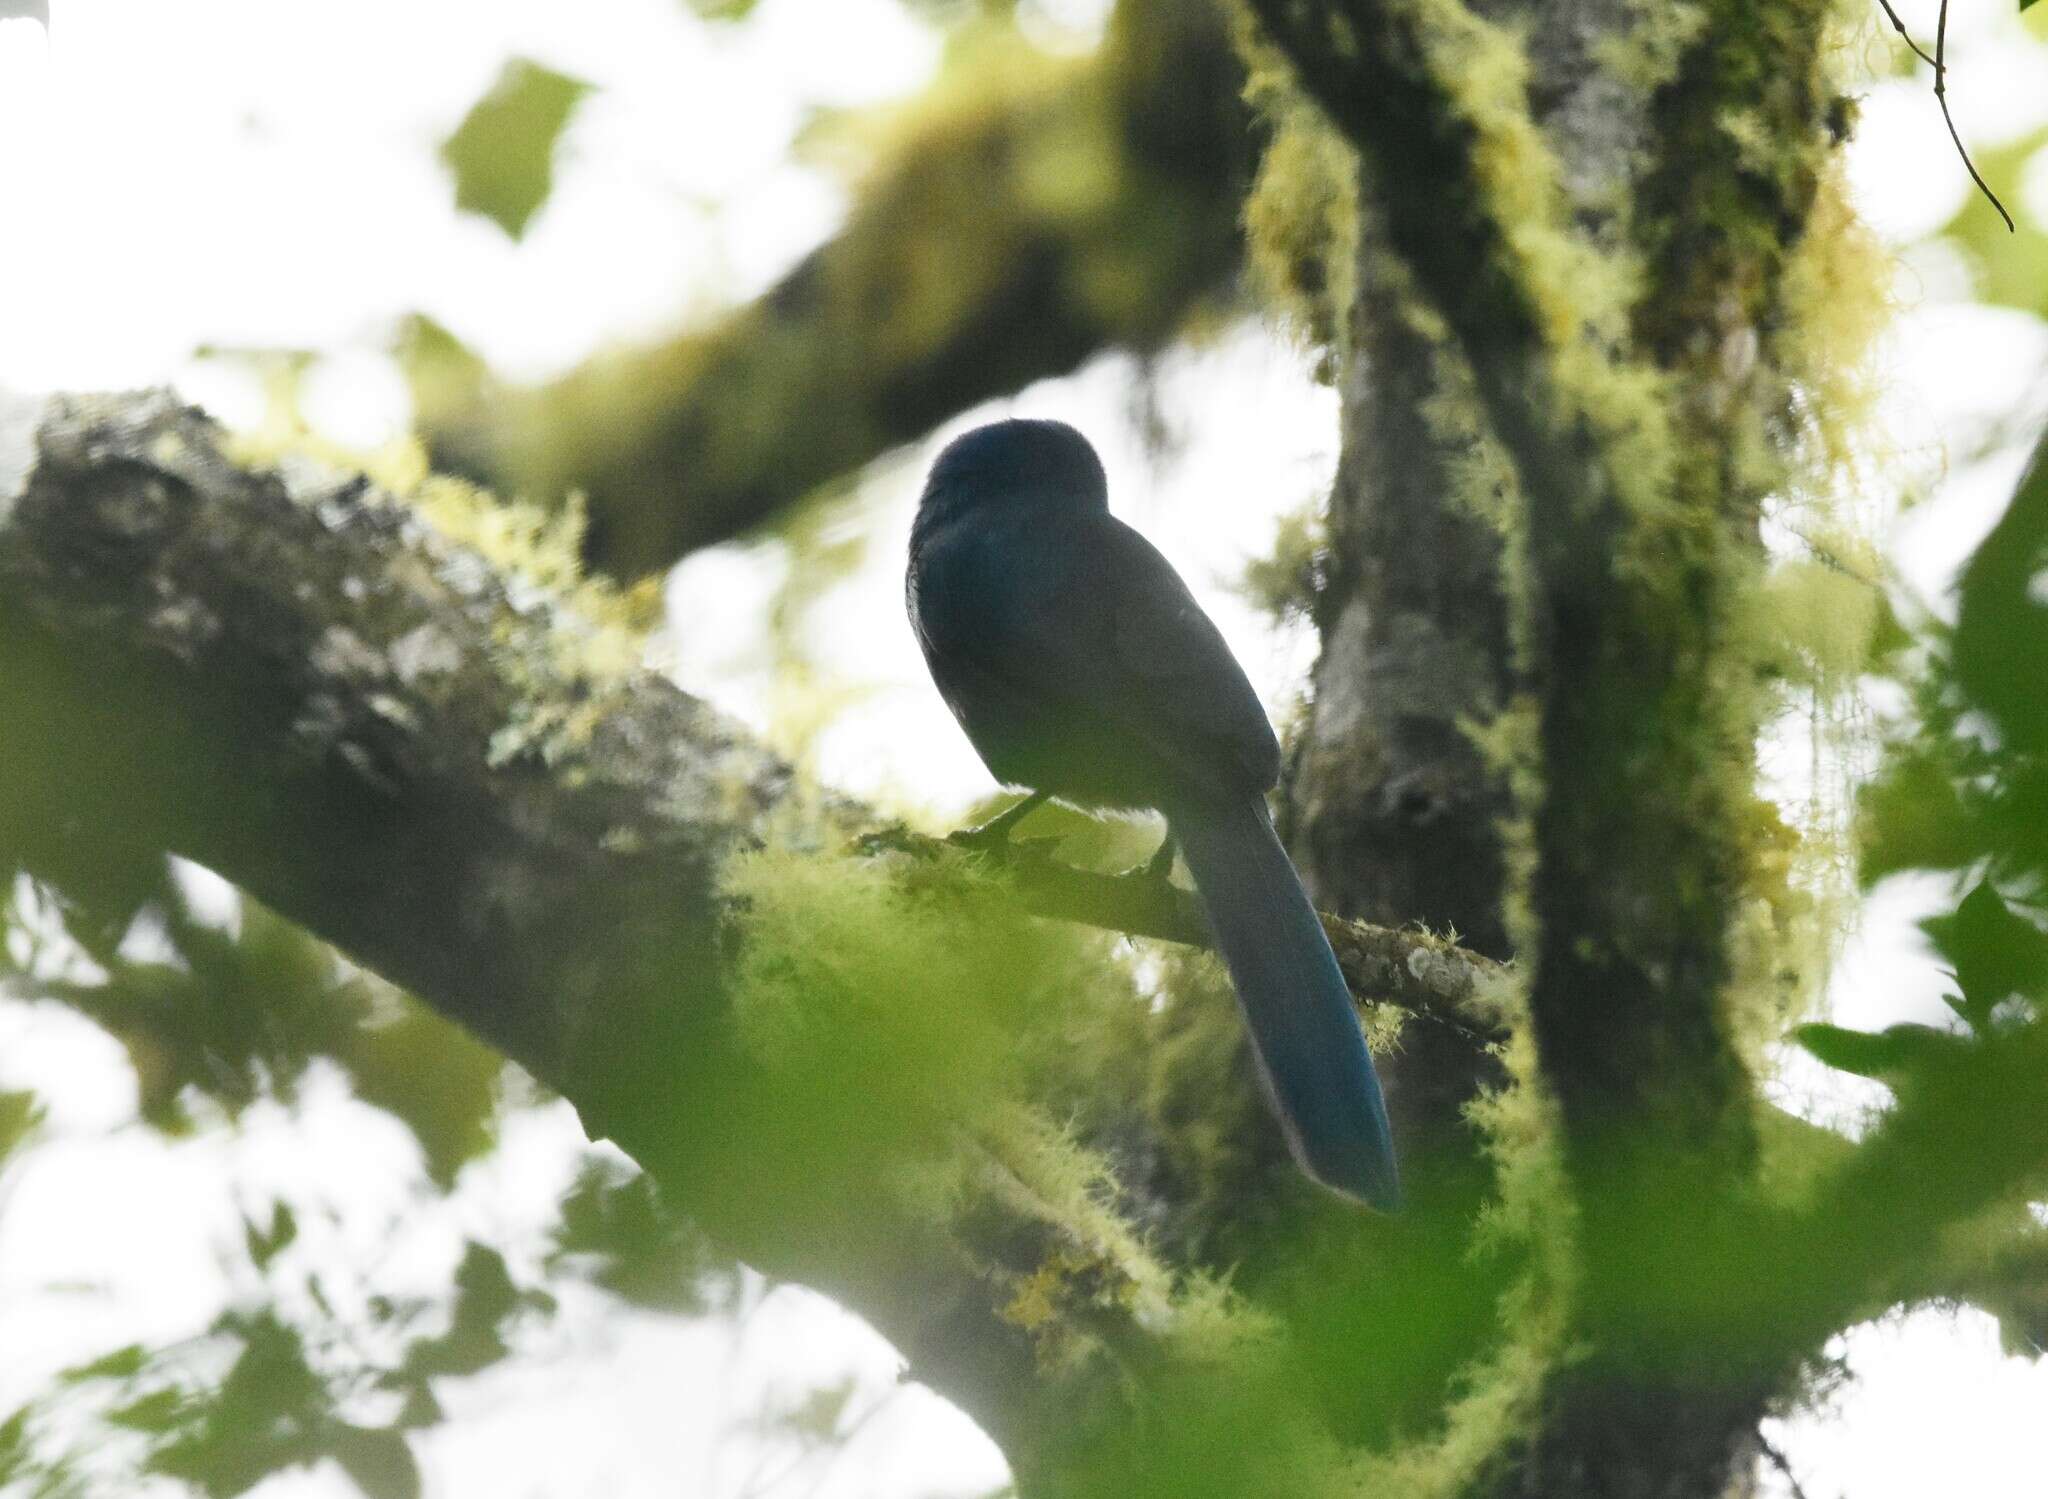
x: 1475, y: 296
x: 291, y: 678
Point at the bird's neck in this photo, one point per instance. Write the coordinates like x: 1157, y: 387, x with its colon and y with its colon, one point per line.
x: 940, y: 509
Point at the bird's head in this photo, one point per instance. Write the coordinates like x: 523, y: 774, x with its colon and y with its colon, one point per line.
x: 1016, y: 462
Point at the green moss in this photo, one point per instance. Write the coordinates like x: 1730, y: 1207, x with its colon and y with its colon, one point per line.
x: 1646, y: 54
x: 1497, y: 1398
x: 1287, y: 581
x: 885, y: 970
x: 1301, y: 224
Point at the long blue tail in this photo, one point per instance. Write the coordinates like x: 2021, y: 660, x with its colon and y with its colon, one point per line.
x: 1304, y: 1030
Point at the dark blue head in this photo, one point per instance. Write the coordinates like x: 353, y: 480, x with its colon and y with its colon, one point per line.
x: 1017, y: 460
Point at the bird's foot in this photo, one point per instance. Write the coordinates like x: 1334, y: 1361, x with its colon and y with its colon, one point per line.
x: 1159, y: 867
x: 993, y: 836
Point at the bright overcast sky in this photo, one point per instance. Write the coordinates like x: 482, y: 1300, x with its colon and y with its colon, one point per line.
x: 255, y: 173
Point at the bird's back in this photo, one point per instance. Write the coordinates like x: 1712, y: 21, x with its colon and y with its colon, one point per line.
x: 1078, y: 662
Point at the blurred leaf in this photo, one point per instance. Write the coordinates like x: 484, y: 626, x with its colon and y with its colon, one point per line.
x: 19, y: 1116
x: 236, y: 1016
x: 2001, y: 634
x: 639, y: 1249
x: 816, y: 1418
x: 451, y: 396
x: 1892, y: 1053
x: 722, y: 10
x: 2008, y: 262
x: 425, y: 344
x: 270, y: 1413
x: 1995, y: 954
x: 503, y: 152
x: 1914, y: 814
x: 157, y: 1412
x: 379, y: 1460
x: 420, y: 1407
x: 122, y: 1363
x: 264, y: 1244
x: 434, y: 1077
x: 485, y: 1300
x: 13, y: 1444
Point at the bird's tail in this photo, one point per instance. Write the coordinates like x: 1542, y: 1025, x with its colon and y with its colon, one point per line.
x: 1304, y: 1031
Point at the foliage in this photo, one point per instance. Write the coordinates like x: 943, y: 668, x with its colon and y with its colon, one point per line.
x: 1965, y: 792
x: 503, y: 152
x: 218, y: 1013
x: 1071, y: 1124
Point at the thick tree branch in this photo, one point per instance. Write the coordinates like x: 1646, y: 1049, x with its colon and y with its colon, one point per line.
x: 290, y: 678
x: 1012, y: 231
x: 1628, y: 542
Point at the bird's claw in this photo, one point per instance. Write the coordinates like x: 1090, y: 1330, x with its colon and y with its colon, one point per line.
x: 1158, y: 868
x: 993, y: 836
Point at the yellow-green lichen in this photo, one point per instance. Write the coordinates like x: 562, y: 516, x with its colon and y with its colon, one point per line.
x: 919, y: 981
x: 1285, y: 581
x: 569, y: 642
x: 1497, y: 1398
x: 1301, y: 224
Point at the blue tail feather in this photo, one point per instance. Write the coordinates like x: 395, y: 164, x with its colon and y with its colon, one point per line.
x: 1304, y: 1030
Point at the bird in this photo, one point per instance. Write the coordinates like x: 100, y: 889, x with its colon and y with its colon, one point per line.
x: 1082, y: 669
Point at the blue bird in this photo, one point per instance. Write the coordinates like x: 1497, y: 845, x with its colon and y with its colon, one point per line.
x: 1081, y: 667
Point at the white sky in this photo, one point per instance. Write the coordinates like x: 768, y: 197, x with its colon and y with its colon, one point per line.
x: 178, y: 172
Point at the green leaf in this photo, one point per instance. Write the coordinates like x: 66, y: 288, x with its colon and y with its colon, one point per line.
x: 2001, y: 635
x: 1995, y: 953
x: 1912, y: 816
x: 816, y: 1419
x: 503, y: 152
x: 485, y: 1300
x: 156, y: 1412
x: 616, y: 1230
x: 271, y: 1412
x: 266, y: 1243
x: 379, y: 1461
x: 19, y: 1115
x: 15, y: 1456
x: 2007, y: 263
x: 122, y: 1363
x: 434, y: 1077
x: 738, y: 10
x: 1887, y: 1053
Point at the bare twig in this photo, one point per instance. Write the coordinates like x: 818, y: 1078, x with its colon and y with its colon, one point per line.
x: 1939, y: 62
x: 1776, y: 1458
x: 1905, y: 35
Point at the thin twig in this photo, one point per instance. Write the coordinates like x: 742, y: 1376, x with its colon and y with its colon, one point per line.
x: 1777, y: 1458
x: 1905, y: 35
x: 1939, y: 62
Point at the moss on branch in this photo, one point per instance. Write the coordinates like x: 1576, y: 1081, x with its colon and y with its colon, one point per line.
x: 852, y: 1074
x: 1022, y: 217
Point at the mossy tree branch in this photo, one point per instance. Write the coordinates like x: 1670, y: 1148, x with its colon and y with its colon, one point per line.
x: 1426, y: 976
x: 1010, y: 231
x: 293, y: 679
x: 297, y: 682
x: 1526, y: 190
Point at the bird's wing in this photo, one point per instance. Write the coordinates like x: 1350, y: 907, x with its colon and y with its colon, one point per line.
x: 1091, y: 620
x: 1182, y: 682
